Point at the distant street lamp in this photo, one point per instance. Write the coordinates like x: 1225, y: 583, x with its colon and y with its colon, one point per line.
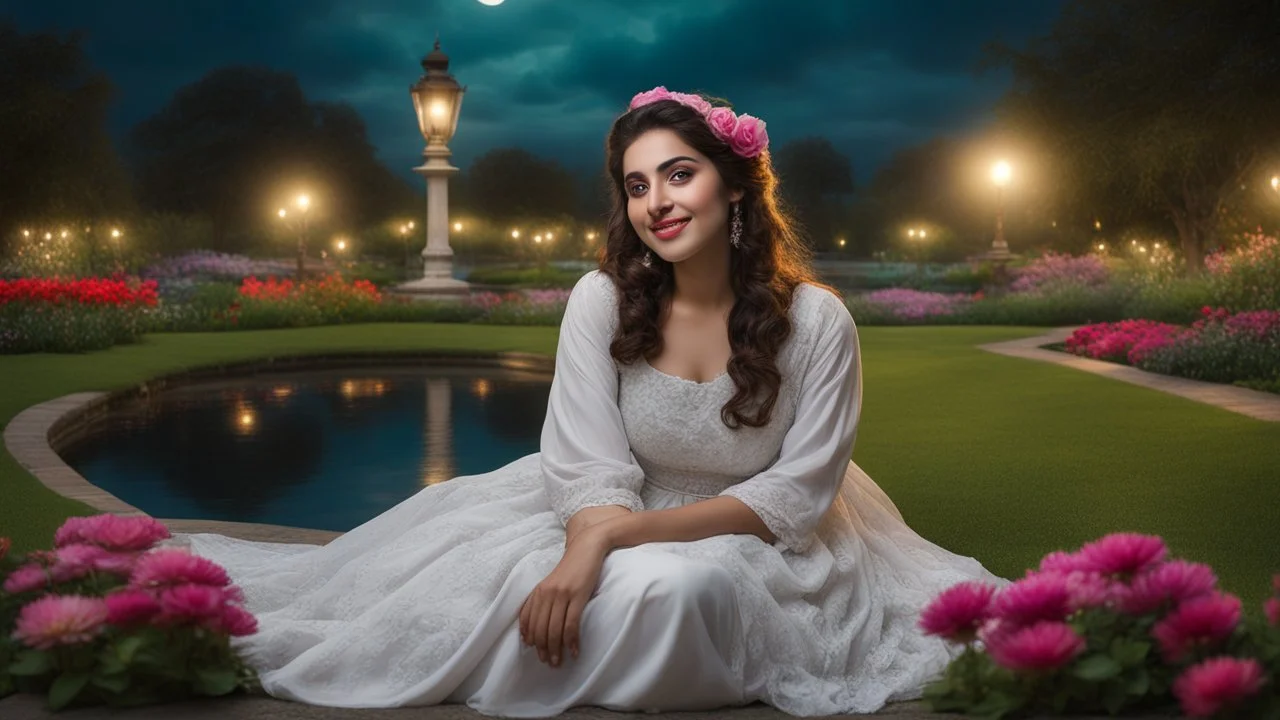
x: 304, y: 205
x: 437, y: 99
x: 999, y: 255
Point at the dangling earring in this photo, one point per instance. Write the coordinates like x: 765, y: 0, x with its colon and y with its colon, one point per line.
x: 735, y: 227
x: 647, y: 261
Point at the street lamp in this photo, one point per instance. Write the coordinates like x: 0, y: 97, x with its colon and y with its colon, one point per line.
x: 303, y: 202
x: 437, y: 99
x: 999, y: 255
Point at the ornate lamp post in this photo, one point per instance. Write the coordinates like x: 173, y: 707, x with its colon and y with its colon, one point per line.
x: 437, y: 98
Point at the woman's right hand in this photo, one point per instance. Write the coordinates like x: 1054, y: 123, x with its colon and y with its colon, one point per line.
x: 586, y: 517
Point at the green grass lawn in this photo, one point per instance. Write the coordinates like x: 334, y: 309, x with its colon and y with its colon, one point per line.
x: 996, y: 457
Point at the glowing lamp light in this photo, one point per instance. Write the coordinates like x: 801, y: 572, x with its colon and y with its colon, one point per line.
x: 342, y: 245
x: 304, y: 202
x: 115, y: 233
x: 537, y: 238
x: 26, y: 233
x: 457, y: 227
x: 549, y: 236
x: 1275, y: 182
x: 591, y: 236
x: 282, y: 212
x: 1001, y: 172
x: 491, y: 3
x: 515, y: 234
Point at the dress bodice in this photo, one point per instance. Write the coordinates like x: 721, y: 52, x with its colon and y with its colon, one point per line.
x: 676, y: 435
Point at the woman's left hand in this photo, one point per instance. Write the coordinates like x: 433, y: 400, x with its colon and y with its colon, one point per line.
x: 550, y: 616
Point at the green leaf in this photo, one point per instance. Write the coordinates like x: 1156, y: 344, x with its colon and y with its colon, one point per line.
x: 218, y: 681
x: 995, y: 706
x: 112, y: 682
x: 1098, y: 667
x: 1129, y: 652
x: 128, y: 647
x: 66, y: 688
x: 31, y: 662
x: 1139, y: 684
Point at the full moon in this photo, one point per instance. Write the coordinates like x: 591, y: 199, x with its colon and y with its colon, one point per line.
x: 490, y: 2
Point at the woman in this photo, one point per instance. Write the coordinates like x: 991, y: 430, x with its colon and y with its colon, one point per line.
x: 692, y: 534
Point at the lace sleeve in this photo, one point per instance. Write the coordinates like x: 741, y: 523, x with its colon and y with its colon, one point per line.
x: 586, y: 460
x: 793, y: 493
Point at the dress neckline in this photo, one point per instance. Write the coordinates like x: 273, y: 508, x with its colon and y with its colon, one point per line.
x: 687, y: 381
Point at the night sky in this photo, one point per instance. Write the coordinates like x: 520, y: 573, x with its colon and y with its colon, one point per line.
x: 550, y: 75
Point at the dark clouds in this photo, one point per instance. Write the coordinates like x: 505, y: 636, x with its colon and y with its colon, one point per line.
x: 550, y: 75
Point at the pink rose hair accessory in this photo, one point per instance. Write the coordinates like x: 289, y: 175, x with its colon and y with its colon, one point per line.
x: 744, y: 133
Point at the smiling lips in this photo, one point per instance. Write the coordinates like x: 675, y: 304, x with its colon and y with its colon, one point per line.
x: 668, y: 229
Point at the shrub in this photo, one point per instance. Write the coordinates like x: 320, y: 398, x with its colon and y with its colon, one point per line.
x: 1248, y: 277
x: 54, y: 315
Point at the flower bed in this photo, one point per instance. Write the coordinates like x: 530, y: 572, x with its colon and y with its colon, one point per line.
x: 107, y: 617
x: 77, y: 315
x: 1115, y: 627
x: 1241, y: 348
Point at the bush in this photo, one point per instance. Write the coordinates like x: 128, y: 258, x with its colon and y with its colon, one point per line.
x: 547, y: 276
x: 50, y: 315
x: 1248, y: 277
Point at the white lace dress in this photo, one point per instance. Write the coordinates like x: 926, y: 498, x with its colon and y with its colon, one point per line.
x: 420, y: 604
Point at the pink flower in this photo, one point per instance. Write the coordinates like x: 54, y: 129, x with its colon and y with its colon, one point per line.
x: 175, y: 567
x: 1091, y: 590
x: 72, y: 531
x: 1059, y: 561
x: 237, y: 621
x: 697, y: 102
x: 723, y: 122
x: 1035, y: 598
x: 26, y: 579
x: 1272, y: 608
x: 750, y: 137
x: 124, y: 534
x: 1043, y: 646
x: 1169, y: 584
x: 59, y: 620
x: 75, y: 561
x: 1198, y: 622
x: 120, y: 564
x: 650, y: 96
x: 131, y: 607
x: 958, y: 611
x: 1217, y: 684
x: 1122, y: 553
x: 192, y: 603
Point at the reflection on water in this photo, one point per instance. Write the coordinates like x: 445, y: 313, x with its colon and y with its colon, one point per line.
x: 320, y: 450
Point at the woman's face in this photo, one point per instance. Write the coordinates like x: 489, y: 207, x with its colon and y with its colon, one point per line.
x: 676, y: 200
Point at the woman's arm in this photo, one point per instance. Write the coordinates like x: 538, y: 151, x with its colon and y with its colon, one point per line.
x: 722, y: 515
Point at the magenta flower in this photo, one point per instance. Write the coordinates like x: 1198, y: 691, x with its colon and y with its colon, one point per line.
x: 201, y: 604
x: 1059, y: 561
x: 26, y: 579
x: 1044, y: 596
x: 116, y: 563
x: 958, y: 611
x: 131, y: 607
x: 1122, y: 554
x: 237, y: 621
x: 1218, y: 684
x: 1168, y: 585
x: 59, y: 620
x: 166, y: 567
x: 1044, y: 646
x: 1200, y: 622
x: 124, y: 534
x: 72, y: 531
x: 75, y: 561
x: 1092, y: 590
x: 650, y: 96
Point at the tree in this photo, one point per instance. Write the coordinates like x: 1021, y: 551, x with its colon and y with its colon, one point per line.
x: 57, y: 157
x: 234, y: 145
x: 817, y: 183
x: 1166, y: 105
x: 512, y: 184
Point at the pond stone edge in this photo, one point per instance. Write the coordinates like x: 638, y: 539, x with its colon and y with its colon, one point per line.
x: 35, y: 435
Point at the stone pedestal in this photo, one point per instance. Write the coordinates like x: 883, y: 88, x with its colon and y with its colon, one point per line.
x: 437, y: 280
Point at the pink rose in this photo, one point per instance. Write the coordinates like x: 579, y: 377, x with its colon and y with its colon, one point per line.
x: 694, y: 101
x: 1218, y: 684
x: 749, y: 138
x: 1041, y: 647
x: 958, y: 612
x: 650, y: 96
x: 723, y: 123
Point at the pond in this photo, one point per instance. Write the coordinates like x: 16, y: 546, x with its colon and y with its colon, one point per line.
x: 326, y: 450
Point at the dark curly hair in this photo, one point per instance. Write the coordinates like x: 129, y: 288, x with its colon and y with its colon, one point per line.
x: 764, y: 272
